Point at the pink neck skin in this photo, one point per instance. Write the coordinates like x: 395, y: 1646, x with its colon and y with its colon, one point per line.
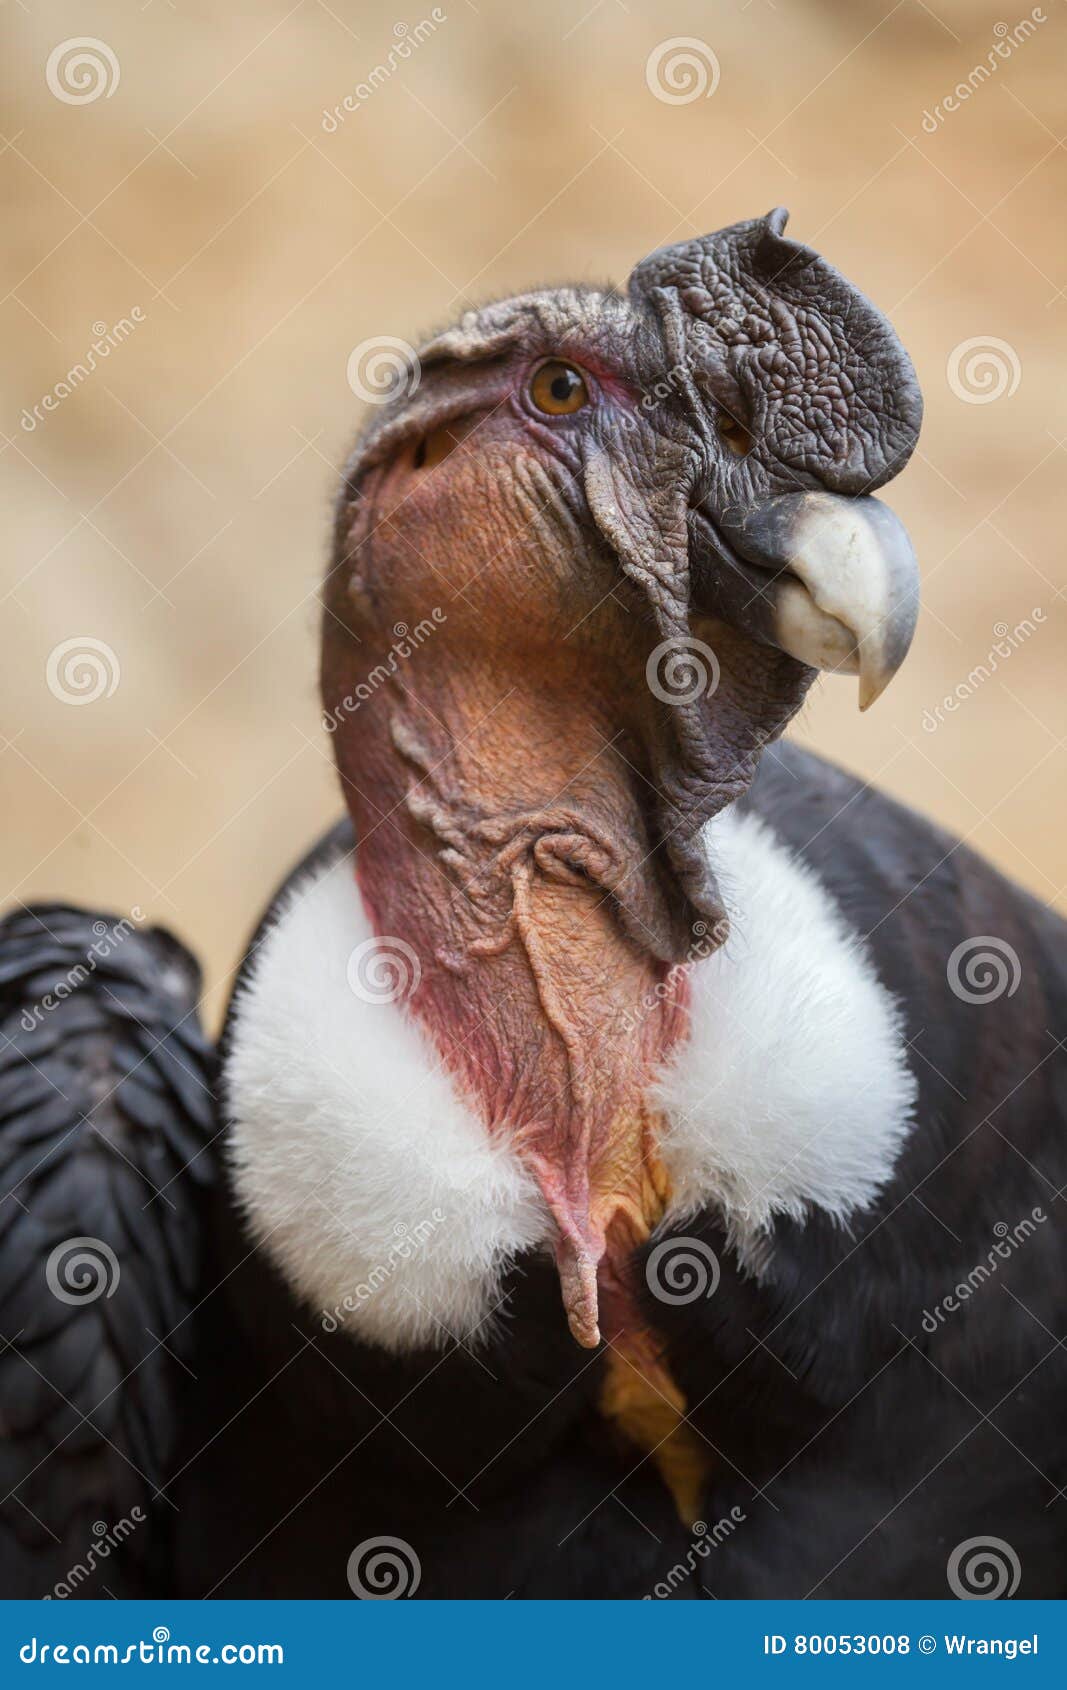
x: 489, y: 833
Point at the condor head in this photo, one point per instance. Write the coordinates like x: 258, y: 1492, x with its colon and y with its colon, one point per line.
x: 621, y: 532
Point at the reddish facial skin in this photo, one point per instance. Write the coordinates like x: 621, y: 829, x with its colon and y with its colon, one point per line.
x: 499, y: 785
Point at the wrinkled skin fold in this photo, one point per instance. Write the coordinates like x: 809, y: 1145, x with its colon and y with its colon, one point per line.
x: 622, y: 606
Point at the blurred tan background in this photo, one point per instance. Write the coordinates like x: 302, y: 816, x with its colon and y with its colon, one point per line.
x: 173, y: 508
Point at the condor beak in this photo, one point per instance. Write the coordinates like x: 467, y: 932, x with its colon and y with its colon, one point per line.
x: 845, y: 590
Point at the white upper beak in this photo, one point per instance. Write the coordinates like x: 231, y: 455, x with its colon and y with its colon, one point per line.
x: 846, y: 594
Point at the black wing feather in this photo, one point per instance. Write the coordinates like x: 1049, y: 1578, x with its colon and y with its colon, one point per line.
x: 107, y: 1118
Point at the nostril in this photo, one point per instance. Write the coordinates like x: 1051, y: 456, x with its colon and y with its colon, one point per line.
x: 434, y: 448
x: 735, y: 434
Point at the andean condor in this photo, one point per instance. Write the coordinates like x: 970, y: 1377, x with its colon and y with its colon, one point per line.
x: 619, y: 998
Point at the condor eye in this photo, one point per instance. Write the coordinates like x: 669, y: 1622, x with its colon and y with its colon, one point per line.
x: 558, y: 389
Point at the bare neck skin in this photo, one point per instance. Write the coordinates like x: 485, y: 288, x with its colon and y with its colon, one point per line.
x: 501, y: 837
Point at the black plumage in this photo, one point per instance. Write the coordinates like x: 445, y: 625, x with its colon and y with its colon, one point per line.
x: 881, y: 1442
x: 107, y: 1116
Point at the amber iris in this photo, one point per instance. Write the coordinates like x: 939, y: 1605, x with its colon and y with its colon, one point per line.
x: 558, y: 389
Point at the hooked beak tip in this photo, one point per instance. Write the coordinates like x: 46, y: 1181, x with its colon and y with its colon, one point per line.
x: 871, y: 690
x: 847, y: 586
x: 856, y: 561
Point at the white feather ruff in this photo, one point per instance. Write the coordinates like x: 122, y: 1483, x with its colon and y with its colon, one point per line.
x: 372, y: 1184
